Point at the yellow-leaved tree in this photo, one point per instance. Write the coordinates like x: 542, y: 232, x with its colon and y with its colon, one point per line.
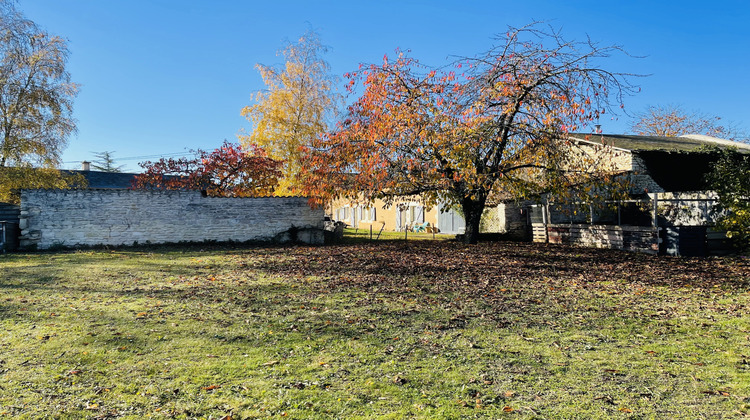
x: 299, y: 100
x: 15, y: 179
x: 36, y: 106
x: 36, y: 94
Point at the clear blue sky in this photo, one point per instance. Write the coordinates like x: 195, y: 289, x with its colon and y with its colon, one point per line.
x: 160, y: 77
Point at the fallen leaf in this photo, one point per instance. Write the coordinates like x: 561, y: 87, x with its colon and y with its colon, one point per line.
x: 210, y: 387
x: 507, y: 409
x: 717, y: 392
x: 625, y: 410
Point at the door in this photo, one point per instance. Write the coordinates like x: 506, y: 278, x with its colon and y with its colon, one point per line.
x: 451, y: 222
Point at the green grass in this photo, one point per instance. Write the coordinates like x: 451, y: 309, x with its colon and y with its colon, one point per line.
x: 418, y: 329
x: 364, y: 235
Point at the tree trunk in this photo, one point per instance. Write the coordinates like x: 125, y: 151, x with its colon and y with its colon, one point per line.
x: 473, y: 210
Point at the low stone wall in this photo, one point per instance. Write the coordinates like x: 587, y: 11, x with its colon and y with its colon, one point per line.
x: 68, y: 218
x: 631, y: 238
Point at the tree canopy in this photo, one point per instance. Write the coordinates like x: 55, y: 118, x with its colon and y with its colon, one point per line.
x: 229, y: 171
x: 14, y: 179
x: 36, y: 94
x: 295, y: 109
x: 730, y: 178
x: 492, y: 124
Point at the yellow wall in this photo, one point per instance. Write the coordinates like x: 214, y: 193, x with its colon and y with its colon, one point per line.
x: 341, y: 210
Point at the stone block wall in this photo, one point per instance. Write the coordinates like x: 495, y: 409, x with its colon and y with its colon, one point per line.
x: 629, y: 238
x: 511, y: 219
x: 121, y: 217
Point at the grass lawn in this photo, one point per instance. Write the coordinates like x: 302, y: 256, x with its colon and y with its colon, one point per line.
x: 389, y: 329
x: 364, y: 235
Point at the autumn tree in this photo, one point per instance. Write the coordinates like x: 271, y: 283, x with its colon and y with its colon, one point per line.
x: 295, y: 108
x: 105, y: 162
x: 36, y: 94
x: 229, y: 171
x: 495, y: 123
x: 673, y: 121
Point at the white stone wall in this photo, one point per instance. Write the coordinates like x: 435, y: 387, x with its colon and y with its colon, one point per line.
x: 122, y: 217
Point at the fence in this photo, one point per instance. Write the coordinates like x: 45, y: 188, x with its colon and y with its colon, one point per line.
x: 670, y: 225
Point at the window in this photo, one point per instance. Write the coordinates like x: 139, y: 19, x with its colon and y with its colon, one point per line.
x: 367, y: 214
x: 416, y: 214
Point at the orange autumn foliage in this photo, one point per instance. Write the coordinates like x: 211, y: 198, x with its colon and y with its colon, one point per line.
x: 491, y: 125
x: 228, y: 171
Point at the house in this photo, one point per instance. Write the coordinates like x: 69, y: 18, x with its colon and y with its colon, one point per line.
x: 408, y: 214
x: 663, y: 164
x: 103, y: 180
x: 671, y: 207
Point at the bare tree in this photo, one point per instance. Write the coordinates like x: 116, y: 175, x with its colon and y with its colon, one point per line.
x: 673, y: 121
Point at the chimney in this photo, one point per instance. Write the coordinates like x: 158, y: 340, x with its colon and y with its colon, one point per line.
x: 85, y: 165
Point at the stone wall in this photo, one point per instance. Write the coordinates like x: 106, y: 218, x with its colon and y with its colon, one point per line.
x: 512, y: 219
x: 630, y: 238
x: 68, y: 218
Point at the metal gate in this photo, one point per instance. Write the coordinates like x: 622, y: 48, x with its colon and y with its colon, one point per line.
x: 9, y: 232
x: 687, y: 241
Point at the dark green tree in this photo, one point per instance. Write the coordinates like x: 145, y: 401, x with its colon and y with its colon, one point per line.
x: 730, y: 178
x: 105, y: 162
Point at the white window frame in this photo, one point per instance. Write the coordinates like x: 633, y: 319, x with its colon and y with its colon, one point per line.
x: 416, y: 213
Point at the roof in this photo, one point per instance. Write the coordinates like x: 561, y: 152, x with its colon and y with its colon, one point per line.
x: 687, y: 143
x: 106, y: 180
